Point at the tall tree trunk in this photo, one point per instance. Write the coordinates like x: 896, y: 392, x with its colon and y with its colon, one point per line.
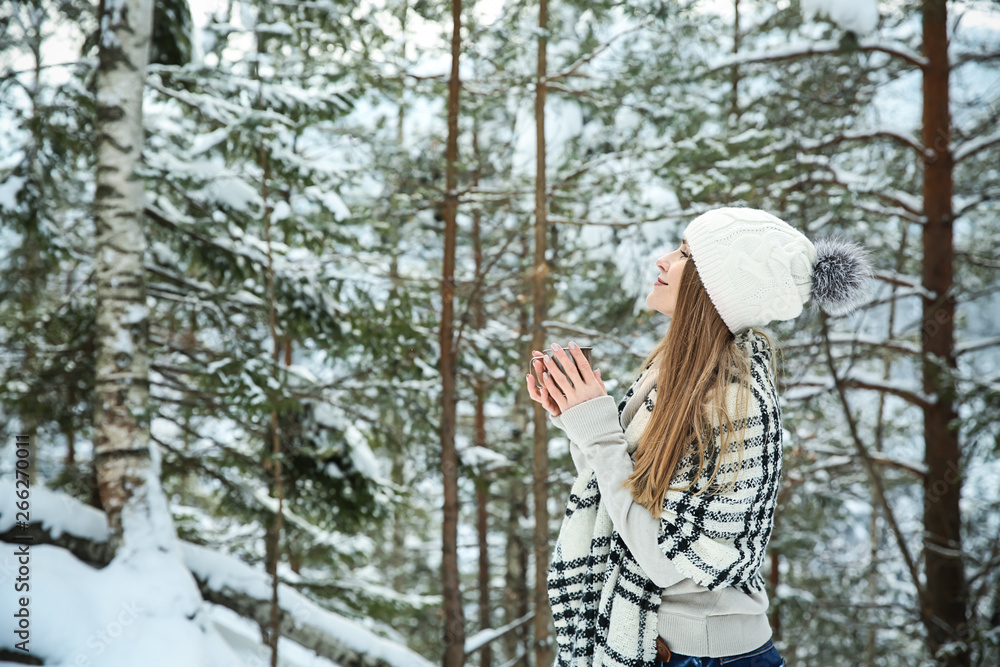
x: 774, y: 577
x: 34, y: 269
x: 945, y: 614
x: 68, y: 430
x: 871, y: 647
x: 734, y: 74
x: 483, y: 528
x: 273, y: 462
x: 875, y: 539
x: 454, y: 619
x: 483, y: 483
x: 401, y: 527
x: 543, y: 613
x: 122, y: 456
x: 515, y: 595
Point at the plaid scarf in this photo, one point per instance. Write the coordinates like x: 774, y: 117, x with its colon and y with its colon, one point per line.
x: 603, y: 604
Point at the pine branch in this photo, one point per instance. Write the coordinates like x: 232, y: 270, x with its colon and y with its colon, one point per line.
x: 580, y: 62
x: 973, y: 146
x: 873, y: 475
x: 885, y: 133
x: 809, y: 49
x: 963, y: 58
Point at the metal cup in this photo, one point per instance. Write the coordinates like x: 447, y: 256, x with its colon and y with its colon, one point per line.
x: 538, y: 381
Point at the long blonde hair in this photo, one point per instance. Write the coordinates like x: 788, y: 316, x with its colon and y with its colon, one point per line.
x: 696, y: 361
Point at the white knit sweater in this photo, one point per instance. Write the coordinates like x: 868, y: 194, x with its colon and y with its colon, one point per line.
x: 619, y: 576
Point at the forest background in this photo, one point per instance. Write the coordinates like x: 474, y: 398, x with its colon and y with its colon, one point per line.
x: 264, y: 343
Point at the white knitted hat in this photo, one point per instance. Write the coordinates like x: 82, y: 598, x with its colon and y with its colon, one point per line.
x: 757, y: 268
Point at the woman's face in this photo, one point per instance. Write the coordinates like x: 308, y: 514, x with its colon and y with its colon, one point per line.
x: 663, y: 298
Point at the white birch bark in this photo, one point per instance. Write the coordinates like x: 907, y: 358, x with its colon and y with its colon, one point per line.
x: 122, y: 452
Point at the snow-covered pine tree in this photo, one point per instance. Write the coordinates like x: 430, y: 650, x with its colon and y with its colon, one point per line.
x: 46, y: 291
x: 206, y: 132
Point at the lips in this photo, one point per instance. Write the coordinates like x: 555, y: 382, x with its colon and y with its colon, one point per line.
x: 659, y: 284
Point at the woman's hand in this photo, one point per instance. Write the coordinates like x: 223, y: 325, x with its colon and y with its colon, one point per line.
x: 587, y: 383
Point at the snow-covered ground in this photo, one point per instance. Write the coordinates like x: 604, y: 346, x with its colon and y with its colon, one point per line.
x: 121, y: 616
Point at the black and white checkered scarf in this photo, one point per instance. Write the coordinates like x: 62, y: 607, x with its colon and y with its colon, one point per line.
x: 603, y: 604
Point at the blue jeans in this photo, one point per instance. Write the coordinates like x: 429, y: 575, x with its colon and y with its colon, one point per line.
x: 764, y: 656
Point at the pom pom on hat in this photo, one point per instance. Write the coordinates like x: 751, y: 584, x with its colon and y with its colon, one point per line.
x: 841, y: 275
x: 756, y: 268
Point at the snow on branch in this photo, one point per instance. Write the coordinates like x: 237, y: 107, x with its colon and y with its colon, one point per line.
x: 973, y: 146
x: 848, y: 179
x: 971, y: 202
x: 859, y: 339
x: 876, y: 209
x: 859, y: 380
x: 221, y: 112
x: 957, y: 59
x: 483, y: 637
x: 298, y: 270
x: 902, y: 389
x: 583, y: 60
x: 227, y: 581
x: 821, y: 48
x: 838, y: 457
x: 909, y: 203
x: 881, y: 133
x: 902, y: 280
x: 854, y: 183
x: 964, y: 347
x: 357, y: 545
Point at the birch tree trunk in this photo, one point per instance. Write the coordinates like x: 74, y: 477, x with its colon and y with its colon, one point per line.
x: 947, y: 593
x: 543, y: 613
x: 122, y: 447
x: 454, y: 619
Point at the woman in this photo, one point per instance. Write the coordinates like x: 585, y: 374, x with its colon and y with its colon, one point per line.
x: 657, y: 559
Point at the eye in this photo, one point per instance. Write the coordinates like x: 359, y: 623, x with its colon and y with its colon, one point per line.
x: 684, y: 253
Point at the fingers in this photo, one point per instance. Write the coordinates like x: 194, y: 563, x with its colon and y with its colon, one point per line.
x: 543, y: 366
x: 532, y: 389
x: 541, y: 396
x: 581, y: 361
x: 534, y: 392
x: 552, y: 390
x: 539, y: 364
x: 580, y: 380
x: 567, y: 376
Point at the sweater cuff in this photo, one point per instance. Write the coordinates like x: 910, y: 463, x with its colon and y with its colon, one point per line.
x: 590, y: 421
x: 579, y: 460
x: 557, y: 421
